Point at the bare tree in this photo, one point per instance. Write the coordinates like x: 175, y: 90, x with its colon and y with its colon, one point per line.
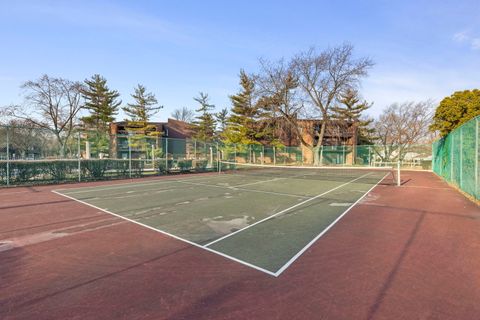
x: 278, y: 91
x: 323, y: 76
x: 400, y: 126
x: 49, y: 103
x: 27, y: 141
x: 183, y: 114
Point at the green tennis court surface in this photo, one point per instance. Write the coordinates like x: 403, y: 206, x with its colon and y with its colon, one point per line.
x: 262, y: 217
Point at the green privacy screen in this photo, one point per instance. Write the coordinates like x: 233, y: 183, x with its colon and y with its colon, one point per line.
x: 456, y: 157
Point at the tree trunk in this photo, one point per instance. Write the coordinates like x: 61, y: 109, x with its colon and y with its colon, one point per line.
x: 316, y: 149
x: 354, y: 142
x: 61, y: 143
x: 317, y: 161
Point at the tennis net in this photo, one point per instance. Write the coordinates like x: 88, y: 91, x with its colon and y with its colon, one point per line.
x: 371, y: 175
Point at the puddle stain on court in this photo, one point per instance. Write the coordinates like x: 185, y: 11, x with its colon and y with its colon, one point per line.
x: 370, y: 198
x: 183, y: 202
x: 32, y: 239
x: 227, y: 226
x: 338, y: 204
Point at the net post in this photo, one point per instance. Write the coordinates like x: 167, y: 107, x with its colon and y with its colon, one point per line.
x: 234, y: 152
x: 79, y: 158
x: 398, y: 174
x: 263, y: 154
x: 8, y: 156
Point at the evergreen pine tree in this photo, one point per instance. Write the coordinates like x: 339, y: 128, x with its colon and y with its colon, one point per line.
x: 101, y: 102
x: 242, y: 124
x: 351, y: 112
x: 143, y: 108
x: 222, y: 121
x: 204, y: 125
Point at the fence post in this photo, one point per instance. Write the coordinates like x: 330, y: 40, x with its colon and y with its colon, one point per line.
x: 218, y: 158
x: 8, y: 156
x: 275, y: 156
x: 129, y: 157
x: 166, y: 155
x: 451, y: 155
x: 369, y: 155
x: 79, y: 158
x: 195, y: 149
x: 234, y: 153
x: 477, y: 142
x: 461, y: 158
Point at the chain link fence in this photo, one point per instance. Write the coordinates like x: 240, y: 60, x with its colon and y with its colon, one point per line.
x: 456, y: 157
x: 38, y: 156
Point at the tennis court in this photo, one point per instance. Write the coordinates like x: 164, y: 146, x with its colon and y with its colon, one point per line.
x: 264, y: 217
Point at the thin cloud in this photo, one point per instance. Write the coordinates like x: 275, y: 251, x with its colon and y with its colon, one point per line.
x: 476, y: 43
x: 106, y: 16
x: 461, y: 36
x: 466, y: 37
x: 385, y: 87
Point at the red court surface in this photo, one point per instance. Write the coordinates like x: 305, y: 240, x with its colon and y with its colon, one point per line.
x: 410, y: 252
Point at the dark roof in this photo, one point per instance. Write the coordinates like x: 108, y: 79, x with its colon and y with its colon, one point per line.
x: 172, y: 128
x: 180, y: 127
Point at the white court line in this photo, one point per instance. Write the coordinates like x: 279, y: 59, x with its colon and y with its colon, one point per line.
x: 283, y: 211
x: 299, y: 253
x: 247, y: 190
x: 171, y: 235
x: 204, y: 247
x: 258, y: 182
x: 112, y: 186
x: 275, y: 179
x: 127, y: 185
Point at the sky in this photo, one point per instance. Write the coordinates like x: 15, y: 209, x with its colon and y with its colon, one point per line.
x: 421, y: 49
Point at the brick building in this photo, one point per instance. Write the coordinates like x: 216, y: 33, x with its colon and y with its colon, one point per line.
x: 153, y: 137
x: 337, y: 133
